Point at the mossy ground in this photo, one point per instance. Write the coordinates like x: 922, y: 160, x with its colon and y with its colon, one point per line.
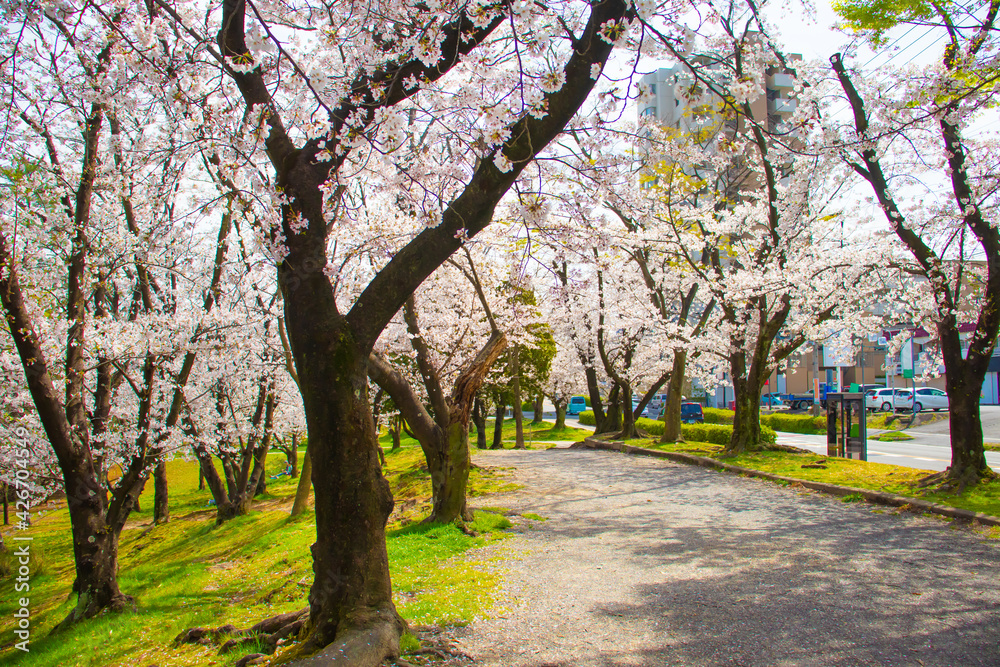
x: 191, y: 572
x: 900, y: 480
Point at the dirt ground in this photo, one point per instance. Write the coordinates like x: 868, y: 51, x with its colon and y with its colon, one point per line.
x: 644, y: 562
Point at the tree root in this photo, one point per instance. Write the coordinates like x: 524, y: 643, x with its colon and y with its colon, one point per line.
x: 119, y: 603
x: 949, y: 481
x: 270, y: 633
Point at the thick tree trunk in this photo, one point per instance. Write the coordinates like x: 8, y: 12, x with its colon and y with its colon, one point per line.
x: 613, y: 417
x: 672, y: 404
x: 560, y: 405
x: 351, y: 593
x: 536, y: 418
x: 746, y: 420
x: 449, y: 469
x: 968, y: 458
x: 302, y: 490
x: 161, y: 499
x: 479, y: 418
x: 594, y: 391
x: 501, y: 412
x: 628, y: 431
x: 95, y: 547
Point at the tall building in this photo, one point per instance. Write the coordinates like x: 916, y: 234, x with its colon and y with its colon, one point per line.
x: 679, y: 100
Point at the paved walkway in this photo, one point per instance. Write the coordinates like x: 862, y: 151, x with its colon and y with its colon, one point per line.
x: 644, y: 562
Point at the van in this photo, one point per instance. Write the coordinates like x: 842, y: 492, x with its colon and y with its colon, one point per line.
x: 691, y: 413
x: 577, y: 404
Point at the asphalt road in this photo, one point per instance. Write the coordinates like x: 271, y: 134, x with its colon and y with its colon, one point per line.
x: 644, y: 563
x: 930, y: 448
x: 913, y: 453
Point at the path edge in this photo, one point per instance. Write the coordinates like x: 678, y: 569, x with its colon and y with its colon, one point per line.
x: 878, y: 497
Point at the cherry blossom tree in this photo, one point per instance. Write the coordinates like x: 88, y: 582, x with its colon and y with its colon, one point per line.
x: 325, y: 99
x: 911, y: 140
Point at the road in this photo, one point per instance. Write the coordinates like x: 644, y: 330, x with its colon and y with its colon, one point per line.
x: 930, y: 448
x: 915, y: 453
x: 645, y: 563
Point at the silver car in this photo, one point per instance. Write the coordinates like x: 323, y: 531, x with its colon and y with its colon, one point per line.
x: 931, y: 399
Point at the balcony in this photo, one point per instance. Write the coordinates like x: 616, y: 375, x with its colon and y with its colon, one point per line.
x: 782, y: 105
x: 781, y: 81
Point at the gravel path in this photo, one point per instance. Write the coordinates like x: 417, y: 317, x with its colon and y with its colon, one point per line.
x: 645, y: 562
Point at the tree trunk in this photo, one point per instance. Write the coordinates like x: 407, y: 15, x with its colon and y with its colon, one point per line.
x: 449, y: 469
x: 95, y: 547
x: 628, y: 431
x: 594, y: 391
x: 968, y: 458
x: 613, y: 417
x: 201, y: 480
x: 479, y: 417
x: 501, y: 412
x: 539, y: 407
x: 516, y: 390
x: 161, y: 500
x: 262, y: 479
x: 746, y: 389
x: 302, y: 490
x: 351, y: 591
x: 396, y: 431
x: 672, y: 405
x: 293, y: 456
x: 560, y: 405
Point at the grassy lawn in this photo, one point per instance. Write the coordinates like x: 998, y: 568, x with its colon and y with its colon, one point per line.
x: 893, y: 436
x: 535, y: 432
x: 191, y: 572
x: 899, y: 480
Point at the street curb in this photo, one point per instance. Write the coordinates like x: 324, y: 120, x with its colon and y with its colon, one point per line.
x: 879, y: 497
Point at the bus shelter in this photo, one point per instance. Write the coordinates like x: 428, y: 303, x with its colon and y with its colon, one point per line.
x: 846, y: 426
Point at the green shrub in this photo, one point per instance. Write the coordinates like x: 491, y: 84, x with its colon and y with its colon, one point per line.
x: 718, y: 416
x: 794, y: 423
x: 587, y: 418
x: 718, y: 434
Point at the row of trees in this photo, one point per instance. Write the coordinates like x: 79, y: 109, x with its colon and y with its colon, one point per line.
x: 221, y: 220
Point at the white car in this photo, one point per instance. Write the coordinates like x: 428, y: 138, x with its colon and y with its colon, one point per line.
x: 879, y: 399
x: 932, y: 399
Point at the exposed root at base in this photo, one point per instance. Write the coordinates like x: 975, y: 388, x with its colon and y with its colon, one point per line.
x: 947, y: 481
x: 119, y: 603
x: 270, y: 633
x: 437, y: 648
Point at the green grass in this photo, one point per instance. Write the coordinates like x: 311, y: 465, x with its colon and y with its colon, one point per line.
x: 534, y: 517
x: 191, y: 572
x: 893, y: 436
x: 900, y: 480
x: 991, y: 446
x: 536, y: 432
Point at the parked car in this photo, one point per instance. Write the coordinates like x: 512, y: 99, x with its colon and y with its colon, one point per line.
x: 929, y: 397
x: 902, y: 400
x: 879, y: 399
x: 691, y: 413
x: 772, y: 402
x: 577, y: 404
x: 655, y: 406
